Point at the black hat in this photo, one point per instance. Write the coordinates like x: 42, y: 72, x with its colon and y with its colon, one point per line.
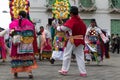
x: 74, y: 10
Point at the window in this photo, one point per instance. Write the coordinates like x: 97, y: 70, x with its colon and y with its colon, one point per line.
x: 50, y: 2
x: 114, y: 6
x: 87, y: 5
x: 115, y: 26
x: 116, y: 3
x: 87, y: 22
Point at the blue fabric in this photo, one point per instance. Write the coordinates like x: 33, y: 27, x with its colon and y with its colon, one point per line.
x: 27, y: 33
x: 93, y: 39
x: 21, y: 63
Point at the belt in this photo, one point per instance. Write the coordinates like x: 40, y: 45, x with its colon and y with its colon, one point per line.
x: 71, y: 38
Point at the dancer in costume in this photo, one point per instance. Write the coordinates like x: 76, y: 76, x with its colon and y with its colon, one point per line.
x: 94, y: 40
x: 58, y: 44
x: 23, y: 47
x: 45, y: 43
x: 76, y: 29
x: 60, y: 10
x: 3, y: 47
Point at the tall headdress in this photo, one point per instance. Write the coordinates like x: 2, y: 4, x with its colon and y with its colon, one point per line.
x: 60, y: 9
x: 18, y: 5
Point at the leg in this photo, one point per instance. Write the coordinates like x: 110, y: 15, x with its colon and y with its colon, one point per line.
x: 79, y: 53
x: 15, y: 75
x: 66, y: 58
x: 88, y: 58
x: 30, y: 74
x: 52, y: 60
x: 53, y: 57
x: 40, y: 55
x: 114, y: 48
x: 3, y: 60
x: 95, y: 54
x: 118, y: 48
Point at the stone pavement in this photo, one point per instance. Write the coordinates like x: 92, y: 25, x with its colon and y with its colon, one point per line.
x: 109, y: 69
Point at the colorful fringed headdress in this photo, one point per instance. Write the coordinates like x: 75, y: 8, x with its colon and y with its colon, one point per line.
x: 18, y: 5
x: 60, y: 9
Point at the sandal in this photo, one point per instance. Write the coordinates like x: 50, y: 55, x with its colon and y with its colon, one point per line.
x: 83, y: 75
x: 62, y: 72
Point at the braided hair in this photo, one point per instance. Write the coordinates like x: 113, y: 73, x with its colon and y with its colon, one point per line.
x: 22, y: 15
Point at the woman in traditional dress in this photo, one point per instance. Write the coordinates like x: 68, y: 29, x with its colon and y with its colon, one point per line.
x: 94, y: 40
x: 45, y: 43
x: 23, y: 47
x: 3, y: 47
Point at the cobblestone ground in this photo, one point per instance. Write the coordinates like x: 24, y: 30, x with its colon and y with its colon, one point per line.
x: 109, y: 69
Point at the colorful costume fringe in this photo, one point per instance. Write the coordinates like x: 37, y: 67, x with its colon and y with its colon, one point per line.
x: 58, y: 45
x: 24, y: 47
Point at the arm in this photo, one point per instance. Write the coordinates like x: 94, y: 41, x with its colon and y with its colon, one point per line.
x: 86, y: 36
x: 2, y: 33
x: 104, y: 38
x: 35, y: 43
x: 63, y: 28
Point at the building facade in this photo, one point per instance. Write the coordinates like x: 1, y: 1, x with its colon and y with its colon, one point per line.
x: 106, y: 12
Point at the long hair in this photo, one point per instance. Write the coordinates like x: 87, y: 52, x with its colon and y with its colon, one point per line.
x: 22, y: 15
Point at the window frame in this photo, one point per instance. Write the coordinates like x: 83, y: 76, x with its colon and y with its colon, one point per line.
x: 113, y: 9
x: 47, y: 3
x: 115, y: 29
x: 87, y: 9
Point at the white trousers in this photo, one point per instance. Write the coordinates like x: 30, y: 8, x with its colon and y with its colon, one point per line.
x: 78, y: 51
x: 57, y: 55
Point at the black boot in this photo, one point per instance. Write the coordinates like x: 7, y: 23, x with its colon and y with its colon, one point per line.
x: 15, y: 75
x: 52, y: 61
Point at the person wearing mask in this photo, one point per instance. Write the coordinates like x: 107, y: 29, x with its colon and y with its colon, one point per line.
x: 23, y: 48
x: 94, y: 40
x: 58, y: 44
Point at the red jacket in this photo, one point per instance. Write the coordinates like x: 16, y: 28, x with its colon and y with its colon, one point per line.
x: 78, y: 28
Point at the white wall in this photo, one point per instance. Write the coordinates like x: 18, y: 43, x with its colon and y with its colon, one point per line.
x: 102, y: 15
x: 102, y: 4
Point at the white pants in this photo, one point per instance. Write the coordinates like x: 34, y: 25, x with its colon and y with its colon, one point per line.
x: 88, y: 56
x: 78, y: 51
x: 57, y: 55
